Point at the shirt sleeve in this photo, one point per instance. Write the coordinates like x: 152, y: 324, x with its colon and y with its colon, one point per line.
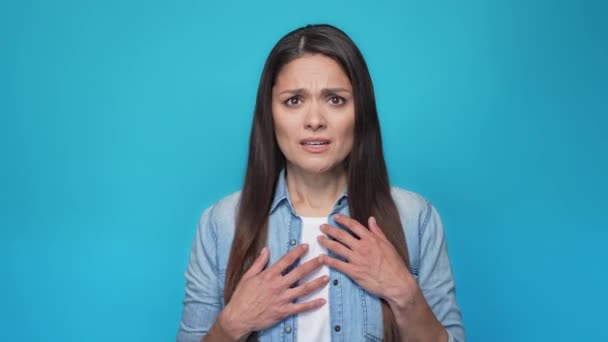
x: 202, y: 302
x: 435, y: 275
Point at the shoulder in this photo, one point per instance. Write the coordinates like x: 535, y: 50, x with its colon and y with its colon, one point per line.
x: 221, y: 212
x: 411, y: 204
x: 418, y: 215
x: 227, y: 205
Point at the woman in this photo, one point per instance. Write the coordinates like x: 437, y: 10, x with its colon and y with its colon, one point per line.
x: 318, y: 246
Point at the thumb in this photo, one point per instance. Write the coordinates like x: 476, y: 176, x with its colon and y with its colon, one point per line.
x: 374, y: 228
x: 258, y: 264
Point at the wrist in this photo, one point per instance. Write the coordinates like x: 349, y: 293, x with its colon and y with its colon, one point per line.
x: 230, y: 327
x: 405, y: 295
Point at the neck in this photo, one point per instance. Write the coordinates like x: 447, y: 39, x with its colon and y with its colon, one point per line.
x: 314, y: 194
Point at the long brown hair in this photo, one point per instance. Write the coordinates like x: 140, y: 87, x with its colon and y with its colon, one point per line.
x: 368, y: 184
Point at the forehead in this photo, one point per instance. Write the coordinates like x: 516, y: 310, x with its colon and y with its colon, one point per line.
x: 312, y: 71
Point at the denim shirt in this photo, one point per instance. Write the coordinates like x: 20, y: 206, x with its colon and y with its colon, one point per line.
x: 355, y: 314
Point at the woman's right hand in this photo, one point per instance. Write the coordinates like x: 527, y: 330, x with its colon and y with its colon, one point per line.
x: 265, y: 297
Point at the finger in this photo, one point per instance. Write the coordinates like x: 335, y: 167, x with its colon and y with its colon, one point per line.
x: 335, y: 247
x: 302, y: 270
x: 258, y: 264
x: 306, y: 306
x: 339, y: 265
x: 352, y: 224
x: 306, y: 288
x: 374, y: 228
x: 288, y: 259
x: 340, y: 235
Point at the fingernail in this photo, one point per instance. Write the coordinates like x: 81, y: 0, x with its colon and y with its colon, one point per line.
x: 337, y: 216
x: 374, y: 221
x: 305, y: 246
x: 325, y: 278
x: 263, y: 252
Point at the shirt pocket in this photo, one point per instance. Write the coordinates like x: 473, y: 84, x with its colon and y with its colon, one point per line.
x: 373, y: 329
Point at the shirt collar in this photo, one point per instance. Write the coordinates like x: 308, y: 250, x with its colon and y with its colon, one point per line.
x: 281, y: 193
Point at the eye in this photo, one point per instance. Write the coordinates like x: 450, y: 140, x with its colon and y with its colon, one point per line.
x: 337, y: 100
x: 293, y: 101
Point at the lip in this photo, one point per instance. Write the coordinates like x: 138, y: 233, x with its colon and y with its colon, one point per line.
x: 314, y: 139
x: 315, y: 148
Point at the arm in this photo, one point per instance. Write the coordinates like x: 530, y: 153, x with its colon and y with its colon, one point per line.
x: 424, y: 312
x: 263, y: 297
x: 431, y: 304
x: 220, y: 332
x: 414, y: 317
x: 202, y: 302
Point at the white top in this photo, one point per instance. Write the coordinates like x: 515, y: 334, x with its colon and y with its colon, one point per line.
x: 314, y: 325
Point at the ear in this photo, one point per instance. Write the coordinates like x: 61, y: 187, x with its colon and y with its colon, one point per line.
x: 375, y: 229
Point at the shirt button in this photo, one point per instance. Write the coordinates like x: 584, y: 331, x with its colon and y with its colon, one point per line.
x: 335, y: 282
x: 337, y: 328
x: 288, y: 329
x: 292, y: 242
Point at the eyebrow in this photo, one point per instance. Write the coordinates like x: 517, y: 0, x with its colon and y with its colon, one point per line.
x: 325, y: 91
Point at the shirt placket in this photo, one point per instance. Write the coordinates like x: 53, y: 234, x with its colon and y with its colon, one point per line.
x: 336, y: 280
x: 295, y: 236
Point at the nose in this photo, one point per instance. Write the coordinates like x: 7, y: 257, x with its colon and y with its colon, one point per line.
x: 315, y: 117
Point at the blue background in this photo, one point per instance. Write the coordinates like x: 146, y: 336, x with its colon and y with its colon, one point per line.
x: 122, y: 120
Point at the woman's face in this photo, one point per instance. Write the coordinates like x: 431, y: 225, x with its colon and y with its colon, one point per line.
x: 314, y: 113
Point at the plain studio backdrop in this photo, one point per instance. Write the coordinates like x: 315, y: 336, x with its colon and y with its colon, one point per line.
x: 122, y: 120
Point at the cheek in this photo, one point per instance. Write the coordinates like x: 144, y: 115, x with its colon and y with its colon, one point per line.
x: 282, y: 131
x: 349, y: 140
x: 281, y: 135
x: 278, y: 123
x: 348, y: 134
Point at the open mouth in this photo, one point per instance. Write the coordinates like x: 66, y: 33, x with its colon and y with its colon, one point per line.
x: 315, y: 145
x: 314, y: 141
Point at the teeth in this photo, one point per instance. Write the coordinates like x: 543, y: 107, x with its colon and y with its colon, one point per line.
x: 315, y: 143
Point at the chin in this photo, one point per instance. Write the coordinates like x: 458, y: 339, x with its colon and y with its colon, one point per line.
x: 316, y: 167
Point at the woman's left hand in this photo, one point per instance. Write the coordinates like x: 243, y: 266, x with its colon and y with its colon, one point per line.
x: 373, y: 263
